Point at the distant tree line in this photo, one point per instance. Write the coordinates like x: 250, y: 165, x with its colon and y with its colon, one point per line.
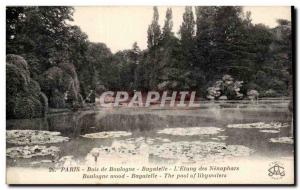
x: 68, y: 70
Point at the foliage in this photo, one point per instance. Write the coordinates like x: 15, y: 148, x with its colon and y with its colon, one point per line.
x: 44, y: 37
x: 225, y: 89
x: 23, y: 95
x: 213, y: 41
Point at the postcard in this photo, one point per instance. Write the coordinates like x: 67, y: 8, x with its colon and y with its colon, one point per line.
x: 150, y: 95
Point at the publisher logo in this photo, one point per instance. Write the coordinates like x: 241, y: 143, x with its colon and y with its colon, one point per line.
x: 276, y: 170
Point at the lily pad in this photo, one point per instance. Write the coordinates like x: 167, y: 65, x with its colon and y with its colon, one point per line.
x: 259, y: 125
x: 222, y: 137
x: 123, y: 151
x: 42, y: 162
x: 107, y: 134
x: 190, y: 131
x: 127, y: 150
x: 198, y: 151
x: 66, y: 161
x: 31, y: 151
x: 269, y: 131
x: 219, y: 138
x: 31, y: 137
x: 285, y: 140
x: 163, y: 140
x: 140, y: 150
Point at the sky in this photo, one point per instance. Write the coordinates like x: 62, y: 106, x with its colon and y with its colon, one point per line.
x: 120, y: 27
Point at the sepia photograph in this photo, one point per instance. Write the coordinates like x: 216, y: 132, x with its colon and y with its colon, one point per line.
x: 150, y: 95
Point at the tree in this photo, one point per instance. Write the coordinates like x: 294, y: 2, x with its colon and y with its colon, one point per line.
x: 49, y: 44
x: 187, y: 28
x: 105, y: 69
x: 154, y: 32
x: 204, y: 43
x: 188, y: 45
x: 168, y: 25
x: 38, y: 33
x: 127, y: 61
x: 281, y: 67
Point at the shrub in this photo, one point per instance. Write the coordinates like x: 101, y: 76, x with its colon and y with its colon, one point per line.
x: 61, y: 85
x: 270, y: 93
x: 226, y: 88
x: 252, y: 94
x: 23, y: 93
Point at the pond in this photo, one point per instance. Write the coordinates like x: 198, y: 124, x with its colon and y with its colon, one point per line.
x: 215, y: 131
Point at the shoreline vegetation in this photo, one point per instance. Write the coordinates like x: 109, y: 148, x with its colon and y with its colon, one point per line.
x: 52, y: 67
x: 219, y: 103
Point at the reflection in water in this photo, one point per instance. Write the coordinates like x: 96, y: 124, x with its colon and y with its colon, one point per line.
x: 143, y: 125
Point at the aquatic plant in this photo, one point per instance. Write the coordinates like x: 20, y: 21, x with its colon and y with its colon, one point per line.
x: 284, y: 140
x: 259, y: 125
x: 30, y: 137
x: 107, y: 134
x: 31, y: 151
x: 189, y: 131
x: 197, y: 151
x: 269, y: 131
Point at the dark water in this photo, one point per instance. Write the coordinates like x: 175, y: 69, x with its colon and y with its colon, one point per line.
x: 142, y: 122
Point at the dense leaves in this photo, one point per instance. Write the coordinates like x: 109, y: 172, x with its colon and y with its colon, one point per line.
x: 24, y: 96
x: 212, y: 42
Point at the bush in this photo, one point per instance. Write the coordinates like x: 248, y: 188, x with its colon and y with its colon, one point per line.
x: 23, y: 93
x: 57, y: 100
x: 23, y: 105
x: 253, y: 94
x: 44, y: 100
x: 16, y: 79
x: 61, y: 85
x: 279, y: 86
x: 226, y: 88
x: 17, y: 61
x: 270, y: 93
